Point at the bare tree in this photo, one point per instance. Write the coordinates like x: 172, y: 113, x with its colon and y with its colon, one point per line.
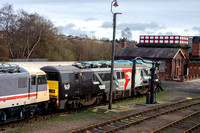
x: 24, y: 32
x: 7, y: 25
x: 126, y: 33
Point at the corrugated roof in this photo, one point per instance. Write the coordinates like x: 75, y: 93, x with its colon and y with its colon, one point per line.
x: 165, y: 53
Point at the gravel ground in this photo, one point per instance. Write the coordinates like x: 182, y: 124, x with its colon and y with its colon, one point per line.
x: 173, y: 91
x: 178, y: 91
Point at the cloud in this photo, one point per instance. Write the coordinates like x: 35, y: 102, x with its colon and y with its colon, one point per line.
x: 196, y: 29
x: 72, y: 29
x: 90, y: 19
x: 107, y: 25
x: 186, y: 30
x: 135, y: 26
x: 166, y: 33
x: 68, y: 26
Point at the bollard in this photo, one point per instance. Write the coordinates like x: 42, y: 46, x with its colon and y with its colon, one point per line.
x: 182, y: 78
x: 148, y: 98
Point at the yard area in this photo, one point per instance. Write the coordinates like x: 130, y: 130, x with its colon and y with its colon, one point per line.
x: 173, y: 91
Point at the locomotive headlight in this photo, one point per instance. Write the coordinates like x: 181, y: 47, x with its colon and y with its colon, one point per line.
x: 66, y: 95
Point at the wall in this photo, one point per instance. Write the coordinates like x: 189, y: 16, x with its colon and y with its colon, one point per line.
x: 194, y: 67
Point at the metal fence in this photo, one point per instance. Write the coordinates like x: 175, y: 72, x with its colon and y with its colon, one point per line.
x: 30, y: 60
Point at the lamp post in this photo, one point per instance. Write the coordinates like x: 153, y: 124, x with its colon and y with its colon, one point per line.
x: 113, y: 3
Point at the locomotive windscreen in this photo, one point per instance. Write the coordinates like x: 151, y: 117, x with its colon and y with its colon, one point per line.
x: 52, y: 76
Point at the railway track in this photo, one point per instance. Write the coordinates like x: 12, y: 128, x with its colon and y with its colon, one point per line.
x: 6, y: 126
x: 188, y: 124
x: 136, y: 118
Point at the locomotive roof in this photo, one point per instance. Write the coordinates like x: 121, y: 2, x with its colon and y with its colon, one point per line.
x: 59, y: 68
x: 73, y: 68
x: 31, y: 70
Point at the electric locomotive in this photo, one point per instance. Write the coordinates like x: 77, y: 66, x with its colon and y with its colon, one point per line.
x: 87, y: 83
x: 23, y: 92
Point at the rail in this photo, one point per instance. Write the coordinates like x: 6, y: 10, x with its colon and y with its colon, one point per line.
x: 124, y: 120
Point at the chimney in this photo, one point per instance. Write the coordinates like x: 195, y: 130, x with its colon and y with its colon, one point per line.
x: 123, y: 43
x: 196, y: 47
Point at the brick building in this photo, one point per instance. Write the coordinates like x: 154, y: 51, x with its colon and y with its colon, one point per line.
x: 172, y: 52
x: 166, y: 41
x: 194, y: 63
x: 172, y: 60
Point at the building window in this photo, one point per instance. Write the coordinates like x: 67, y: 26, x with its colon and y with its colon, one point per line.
x: 146, y: 41
x: 146, y: 37
x: 171, y: 41
x: 156, y: 37
x: 151, y: 37
x: 176, y: 41
x: 171, y: 37
x: 142, y: 37
x: 161, y: 37
x: 156, y: 41
x: 151, y: 41
x: 166, y: 37
x: 161, y: 41
x: 162, y: 66
x: 142, y: 41
x: 177, y: 37
x: 166, y: 41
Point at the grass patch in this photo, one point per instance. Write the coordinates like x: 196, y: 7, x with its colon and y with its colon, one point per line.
x: 82, y: 115
x: 137, y: 100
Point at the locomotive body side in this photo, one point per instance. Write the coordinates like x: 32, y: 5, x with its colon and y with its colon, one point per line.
x: 22, y: 94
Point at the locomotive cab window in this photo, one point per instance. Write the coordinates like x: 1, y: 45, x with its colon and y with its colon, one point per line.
x: 65, y: 76
x: 33, y: 79
x: 76, y: 76
x: 105, y: 76
x: 146, y: 72
x: 42, y: 79
x: 118, y: 75
x: 123, y: 76
x: 142, y: 74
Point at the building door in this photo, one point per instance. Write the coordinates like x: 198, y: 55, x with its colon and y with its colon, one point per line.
x: 177, y: 71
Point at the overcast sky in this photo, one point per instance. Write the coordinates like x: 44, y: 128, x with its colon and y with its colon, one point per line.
x: 93, y: 17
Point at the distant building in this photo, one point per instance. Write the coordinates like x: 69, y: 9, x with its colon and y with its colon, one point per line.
x: 163, y: 39
x: 177, y: 54
x: 194, y: 63
x: 166, y: 41
x: 171, y: 60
